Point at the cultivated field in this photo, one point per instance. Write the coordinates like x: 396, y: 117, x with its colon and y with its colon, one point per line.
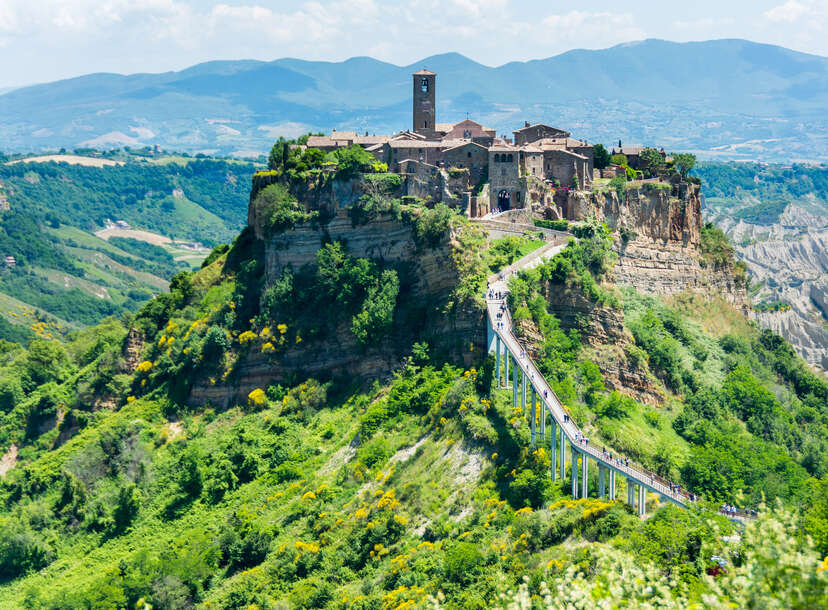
x: 70, y: 159
x: 152, y: 238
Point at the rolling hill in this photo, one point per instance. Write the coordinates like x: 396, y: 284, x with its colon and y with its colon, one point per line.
x: 69, y: 270
x: 722, y: 98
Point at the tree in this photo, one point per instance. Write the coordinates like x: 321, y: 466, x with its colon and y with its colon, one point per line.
x: 619, y: 160
x: 652, y: 159
x: 684, y: 162
x: 600, y: 156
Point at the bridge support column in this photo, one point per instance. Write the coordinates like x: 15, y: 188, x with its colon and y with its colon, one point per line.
x: 523, y: 386
x: 563, y: 456
x: 542, y: 406
x: 584, y: 475
x: 533, y: 415
x: 602, y: 471
x: 553, y: 445
x: 506, y: 358
x: 630, y: 492
x: 642, y: 500
x: 612, y: 493
x: 497, y: 361
x: 514, y: 386
x: 574, y: 468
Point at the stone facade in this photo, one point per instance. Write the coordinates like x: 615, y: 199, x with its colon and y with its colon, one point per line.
x: 538, y: 152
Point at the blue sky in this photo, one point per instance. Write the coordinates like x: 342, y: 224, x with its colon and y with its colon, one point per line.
x: 43, y: 40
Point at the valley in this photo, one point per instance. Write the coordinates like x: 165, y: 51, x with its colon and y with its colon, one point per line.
x: 68, y: 239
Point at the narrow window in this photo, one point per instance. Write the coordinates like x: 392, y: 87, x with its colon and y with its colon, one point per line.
x: 497, y: 158
x: 510, y: 158
x: 424, y: 85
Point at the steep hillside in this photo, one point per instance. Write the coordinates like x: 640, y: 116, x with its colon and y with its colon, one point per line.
x: 777, y: 218
x: 748, y: 100
x: 377, y: 463
x: 70, y: 270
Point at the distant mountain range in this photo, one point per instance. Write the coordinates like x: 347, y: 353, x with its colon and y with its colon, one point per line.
x: 721, y: 98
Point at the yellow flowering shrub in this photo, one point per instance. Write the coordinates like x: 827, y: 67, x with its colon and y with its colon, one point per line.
x: 257, y: 398
x: 247, y: 336
x: 144, y: 367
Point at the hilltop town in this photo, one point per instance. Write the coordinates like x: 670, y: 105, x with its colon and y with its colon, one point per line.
x: 469, y: 163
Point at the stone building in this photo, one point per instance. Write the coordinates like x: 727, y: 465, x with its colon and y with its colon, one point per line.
x: 471, y: 156
x: 519, y: 170
x: 532, y: 133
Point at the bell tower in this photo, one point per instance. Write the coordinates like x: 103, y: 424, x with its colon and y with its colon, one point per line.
x: 424, y: 108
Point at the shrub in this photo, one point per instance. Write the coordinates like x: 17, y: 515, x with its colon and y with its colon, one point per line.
x: 257, y: 399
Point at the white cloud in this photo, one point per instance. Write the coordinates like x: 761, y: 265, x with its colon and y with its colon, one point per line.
x: 789, y: 12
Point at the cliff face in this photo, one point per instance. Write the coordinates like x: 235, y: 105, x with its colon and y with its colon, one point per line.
x: 659, y: 227
x: 433, y: 271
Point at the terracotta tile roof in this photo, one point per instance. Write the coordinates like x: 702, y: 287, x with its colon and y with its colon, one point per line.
x: 425, y: 73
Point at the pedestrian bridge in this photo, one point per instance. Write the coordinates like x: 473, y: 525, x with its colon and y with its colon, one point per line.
x: 514, y: 368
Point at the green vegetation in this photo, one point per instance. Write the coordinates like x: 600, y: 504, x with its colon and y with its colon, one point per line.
x: 340, y: 491
x: 581, y: 264
x: 716, y: 249
x: 210, y: 205
x: 556, y: 225
x: 601, y: 156
x: 505, y: 251
x: 684, y: 163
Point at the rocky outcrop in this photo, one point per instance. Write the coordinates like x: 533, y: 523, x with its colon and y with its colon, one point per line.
x: 658, y: 225
x: 656, y: 267
x: 431, y: 270
x: 132, y: 349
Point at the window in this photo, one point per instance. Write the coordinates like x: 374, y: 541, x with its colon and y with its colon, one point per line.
x: 424, y: 85
x: 510, y: 158
x: 425, y: 124
x: 497, y: 158
x: 467, y: 134
x: 517, y: 196
x: 468, y: 154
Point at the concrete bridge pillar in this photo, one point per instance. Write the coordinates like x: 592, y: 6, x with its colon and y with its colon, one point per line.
x: 630, y: 492
x: 553, y: 445
x: 584, y: 475
x: 514, y: 386
x: 523, y: 390
x: 497, y: 360
x: 642, y: 500
x: 602, y: 471
x: 533, y: 415
x: 506, y: 358
x: 612, y: 493
x: 542, y: 406
x: 563, y: 456
x: 574, y: 468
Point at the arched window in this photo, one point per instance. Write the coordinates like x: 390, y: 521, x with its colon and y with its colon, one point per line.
x: 509, y: 159
x: 424, y: 85
x: 468, y: 154
x: 497, y: 158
